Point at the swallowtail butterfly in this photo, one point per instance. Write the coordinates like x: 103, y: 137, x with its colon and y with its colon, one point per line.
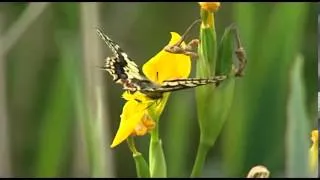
x: 124, y: 71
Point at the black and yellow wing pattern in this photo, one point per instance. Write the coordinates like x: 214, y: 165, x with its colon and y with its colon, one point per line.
x: 126, y: 72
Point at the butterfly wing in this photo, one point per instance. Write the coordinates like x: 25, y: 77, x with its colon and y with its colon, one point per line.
x: 120, y: 66
x: 180, y: 84
x: 126, y: 72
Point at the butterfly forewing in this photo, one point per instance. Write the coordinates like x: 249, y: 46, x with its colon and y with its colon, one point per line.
x: 120, y: 66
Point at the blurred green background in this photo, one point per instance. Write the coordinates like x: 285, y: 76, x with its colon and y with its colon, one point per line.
x: 59, y: 112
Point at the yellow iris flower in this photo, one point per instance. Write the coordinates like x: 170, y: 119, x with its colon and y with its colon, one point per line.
x: 313, y: 151
x: 135, y: 117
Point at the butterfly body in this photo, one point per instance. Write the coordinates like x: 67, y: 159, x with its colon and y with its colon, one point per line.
x: 125, y: 72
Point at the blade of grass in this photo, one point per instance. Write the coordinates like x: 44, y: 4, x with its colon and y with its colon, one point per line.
x: 282, y: 41
x: 69, y: 45
x: 7, y: 41
x: 5, y: 165
x: 54, y: 154
x: 269, y: 55
x: 102, y: 164
x: 298, y: 128
x: 57, y: 121
x: 12, y: 35
x: 233, y: 157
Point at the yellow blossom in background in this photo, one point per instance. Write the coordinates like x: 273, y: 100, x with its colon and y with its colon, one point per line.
x: 135, y: 118
x: 210, y: 6
x: 313, y: 152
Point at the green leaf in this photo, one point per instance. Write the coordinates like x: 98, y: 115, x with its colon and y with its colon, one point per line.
x: 142, y: 167
x: 57, y: 120
x: 220, y: 106
x: 298, y: 125
x: 54, y: 134
x: 215, y: 113
x: 157, y: 160
x: 207, y: 53
x: 202, y: 152
x: 179, y: 109
x: 90, y: 124
x: 225, y: 52
x: 271, y: 46
x: 233, y: 158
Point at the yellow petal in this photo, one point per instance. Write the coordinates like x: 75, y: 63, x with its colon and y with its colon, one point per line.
x: 138, y: 96
x: 131, y: 116
x: 313, y: 158
x: 127, y: 96
x: 313, y: 152
x: 166, y: 66
x: 315, y: 136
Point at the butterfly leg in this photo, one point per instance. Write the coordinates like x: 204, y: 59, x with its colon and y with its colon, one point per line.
x: 188, y: 50
x: 191, y: 46
x: 240, y: 53
x: 178, y: 49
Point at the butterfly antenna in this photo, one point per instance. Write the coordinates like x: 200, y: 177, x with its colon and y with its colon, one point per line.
x: 101, y: 67
x: 183, y: 37
x: 240, y: 52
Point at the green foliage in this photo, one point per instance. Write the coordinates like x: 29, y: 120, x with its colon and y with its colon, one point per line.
x: 45, y: 90
x: 297, y: 137
x: 141, y: 165
x: 157, y: 161
x: 256, y: 131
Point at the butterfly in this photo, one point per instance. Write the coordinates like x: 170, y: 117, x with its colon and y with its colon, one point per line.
x: 126, y: 72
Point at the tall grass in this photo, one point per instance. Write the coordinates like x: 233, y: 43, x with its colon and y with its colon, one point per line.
x: 257, y: 123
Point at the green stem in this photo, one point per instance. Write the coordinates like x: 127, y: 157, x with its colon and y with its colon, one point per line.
x: 203, y: 149
x: 157, y: 162
x: 132, y: 146
x: 155, y: 134
x: 142, y: 167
